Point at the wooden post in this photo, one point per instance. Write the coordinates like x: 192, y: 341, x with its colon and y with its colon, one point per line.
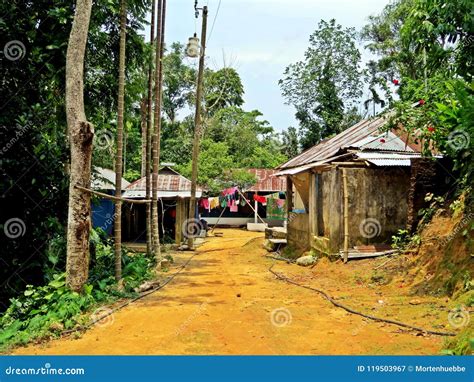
x: 255, y: 203
x: 289, y: 198
x: 179, y: 221
x: 346, y: 215
x: 317, y: 203
x: 312, y: 211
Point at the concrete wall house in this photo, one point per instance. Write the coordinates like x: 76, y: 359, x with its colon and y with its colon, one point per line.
x: 356, y: 190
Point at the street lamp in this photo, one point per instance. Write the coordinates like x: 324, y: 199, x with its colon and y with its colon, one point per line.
x: 193, y: 48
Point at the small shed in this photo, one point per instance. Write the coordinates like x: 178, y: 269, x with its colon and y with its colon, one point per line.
x: 103, y: 210
x: 174, y: 194
x: 354, y: 191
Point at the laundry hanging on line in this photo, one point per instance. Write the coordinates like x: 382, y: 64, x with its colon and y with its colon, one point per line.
x: 260, y: 199
x: 230, y: 197
x: 213, y: 203
x: 205, y: 204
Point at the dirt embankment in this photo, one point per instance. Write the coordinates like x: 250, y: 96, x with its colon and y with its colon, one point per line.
x: 443, y: 262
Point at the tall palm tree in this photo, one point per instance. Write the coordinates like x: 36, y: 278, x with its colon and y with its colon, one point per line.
x: 119, y: 156
x: 149, y: 127
x: 157, y: 124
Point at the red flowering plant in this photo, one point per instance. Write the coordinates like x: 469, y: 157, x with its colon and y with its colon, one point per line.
x: 439, y: 118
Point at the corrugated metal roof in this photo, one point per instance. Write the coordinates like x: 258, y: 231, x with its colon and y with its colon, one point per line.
x: 104, y: 179
x: 140, y: 194
x: 332, y: 146
x: 390, y: 162
x: 379, y: 155
x: 384, y: 159
x: 170, y: 183
x: 384, y: 142
x: 297, y: 170
x: 267, y: 181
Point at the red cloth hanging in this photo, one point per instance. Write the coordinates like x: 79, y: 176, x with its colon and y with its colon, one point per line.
x: 260, y: 199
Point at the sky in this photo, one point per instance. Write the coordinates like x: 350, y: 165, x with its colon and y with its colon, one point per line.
x: 260, y: 38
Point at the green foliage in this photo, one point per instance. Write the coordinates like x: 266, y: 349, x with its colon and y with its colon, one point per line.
x: 443, y: 31
x: 44, y: 311
x: 234, y: 139
x: 326, y: 84
x: 435, y: 203
x: 40, y: 309
x: 33, y: 170
x: 403, y: 240
x: 223, y: 88
x: 178, y: 82
x: 290, y: 142
x: 290, y: 252
x: 428, y: 45
x: 215, y: 167
x: 409, y: 33
x: 443, y: 122
x: 462, y: 344
x: 382, y: 35
x: 379, y: 277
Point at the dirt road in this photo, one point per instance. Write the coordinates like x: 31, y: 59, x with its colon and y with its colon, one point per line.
x: 226, y: 302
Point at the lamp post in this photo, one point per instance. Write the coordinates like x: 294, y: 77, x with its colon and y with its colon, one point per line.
x: 192, y: 50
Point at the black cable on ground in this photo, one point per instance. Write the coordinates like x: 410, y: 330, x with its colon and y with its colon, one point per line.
x: 144, y: 294
x: 350, y: 310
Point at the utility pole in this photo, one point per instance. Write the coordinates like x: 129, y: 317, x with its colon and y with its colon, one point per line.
x: 197, y: 128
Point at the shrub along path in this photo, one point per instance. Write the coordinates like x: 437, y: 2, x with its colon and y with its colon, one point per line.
x: 227, y: 302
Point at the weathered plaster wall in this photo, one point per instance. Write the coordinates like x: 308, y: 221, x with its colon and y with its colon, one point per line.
x: 378, y: 204
x: 298, y: 231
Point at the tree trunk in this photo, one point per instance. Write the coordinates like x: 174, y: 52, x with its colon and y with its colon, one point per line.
x: 81, y: 133
x: 149, y: 127
x: 157, y: 125
x: 119, y: 159
x: 143, y: 118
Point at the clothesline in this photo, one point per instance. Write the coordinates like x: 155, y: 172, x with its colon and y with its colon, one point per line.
x: 233, y: 198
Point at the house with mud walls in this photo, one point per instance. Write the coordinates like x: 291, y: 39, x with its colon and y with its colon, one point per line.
x: 348, y: 195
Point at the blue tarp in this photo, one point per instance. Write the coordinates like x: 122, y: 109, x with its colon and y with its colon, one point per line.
x: 103, y: 215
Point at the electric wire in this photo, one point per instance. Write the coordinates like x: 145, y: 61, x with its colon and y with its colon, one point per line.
x: 350, y: 310
x: 214, y: 21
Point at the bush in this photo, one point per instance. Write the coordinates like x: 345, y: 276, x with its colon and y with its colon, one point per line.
x: 45, y: 311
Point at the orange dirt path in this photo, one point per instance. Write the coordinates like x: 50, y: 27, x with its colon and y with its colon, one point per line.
x: 226, y: 302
